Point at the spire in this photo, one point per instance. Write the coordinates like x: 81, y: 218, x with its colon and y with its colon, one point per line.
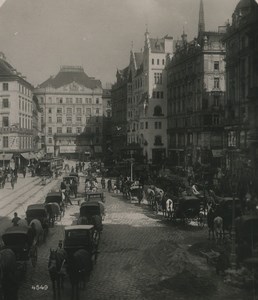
x: 201, y: 25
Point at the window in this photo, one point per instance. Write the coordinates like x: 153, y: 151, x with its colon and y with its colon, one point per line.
x: 50, y: 140
x: 59, y: 120
x: 141, y: 125
x: 97, y: 119
x: 215, y: 119
x: 158, y: 140
x: 146, y: 125
x: 216, y: 65
x: 163, y: 62
x: 49, y: 110
x: 88, y: 129
x: 49, y: 119
x: 69, y: 110
x: 97, y: 111
x: 97, y: 130
x: 69, y: 129
x: 69, y: 100
x: 152, y: 61
x: 97, y: 100
x: 50, y: 130
x: 158, y: 78
x: 157, y: 111
x: 78, y: 100
x: 59, y: 100
x: 216, y: 101
x: 6, y: 103
x: 59, y: 129
x: 69, y: 119
x: 216, y: 83
x: 5, y: 142
x: 78, y: 129
x: 78, y: 119
x: 88, y: 111
x: 157, y: 61
x: 5, y: 121
x: 78, y: 110
x: 59, y: 110
x: 5, y: 86
x: 157, y: 125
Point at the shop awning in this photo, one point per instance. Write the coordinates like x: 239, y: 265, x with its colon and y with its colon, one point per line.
x: 6, y: 156
x: 28, y: 155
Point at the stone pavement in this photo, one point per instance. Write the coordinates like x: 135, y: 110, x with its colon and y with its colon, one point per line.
x: 130, y: 264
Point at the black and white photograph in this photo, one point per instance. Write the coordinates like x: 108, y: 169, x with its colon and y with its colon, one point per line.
x: 129, y: 149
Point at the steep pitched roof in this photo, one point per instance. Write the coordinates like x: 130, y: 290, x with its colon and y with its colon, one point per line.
x: 157, y: 45
x: 138, y: 59
x: 69, y: 74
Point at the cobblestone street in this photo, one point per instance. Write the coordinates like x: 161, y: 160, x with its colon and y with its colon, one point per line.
x: 139, y: 255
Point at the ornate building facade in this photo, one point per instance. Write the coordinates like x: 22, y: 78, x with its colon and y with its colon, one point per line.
x: 72, y: 113
x: 19, y: 116
x: 241, y: 126
x: 196, y: 99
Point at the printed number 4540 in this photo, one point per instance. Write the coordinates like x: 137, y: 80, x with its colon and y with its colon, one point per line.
x: 38, y: 287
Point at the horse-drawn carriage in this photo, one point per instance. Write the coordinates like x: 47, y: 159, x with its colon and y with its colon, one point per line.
x: 92, y: 213
x: 135, y: 192
x: 21, y: 240
x: 54, y: 206
x: 81, y: 248
x: 94, y: 196
x: 187, y: 208
x: 39, y: 212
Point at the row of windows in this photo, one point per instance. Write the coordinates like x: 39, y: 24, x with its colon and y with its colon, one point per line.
x: 157, y: 125
x: 69, y: 110
x: 70, y: 130
x: 157, y: 94
x: 158, y: 78
x: 24, y: 90
x: 136, y: 139
x: 158, y: 61
x: 25, y: 105
x: 66, y: 142
x: 25, y: 142
x: 70, y: 100
x: 69, y: 119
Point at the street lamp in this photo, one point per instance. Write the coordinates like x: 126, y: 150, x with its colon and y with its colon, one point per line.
x: 131, y: 163
x: 3, y: 160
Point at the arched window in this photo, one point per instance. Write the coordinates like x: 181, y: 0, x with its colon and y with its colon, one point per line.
x: 157, y: 111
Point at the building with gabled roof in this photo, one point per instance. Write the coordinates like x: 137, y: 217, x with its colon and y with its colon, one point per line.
x: 72, y: 108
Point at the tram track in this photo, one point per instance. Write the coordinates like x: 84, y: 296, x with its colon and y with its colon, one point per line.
x: 35, y: 191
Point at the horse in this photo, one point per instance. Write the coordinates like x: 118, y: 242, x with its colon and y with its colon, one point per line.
x: 79, y: 268
x: 54, y: 212
x: 150, y: 196
x: 169, y: 208
x: 8, y: 279
x: 40, y: 236
x: 56, y: 268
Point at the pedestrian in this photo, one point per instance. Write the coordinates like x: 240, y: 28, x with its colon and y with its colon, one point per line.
x: 83, y: 165
x: 80, y: 166
x: 12, y: 181
x: 24, y: 172
x: 15, y: 219
x: 109, y: 184
x: 72, y: 170
x: 103, y: 183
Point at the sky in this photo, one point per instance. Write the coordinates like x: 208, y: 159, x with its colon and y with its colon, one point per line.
x: 39, y: 36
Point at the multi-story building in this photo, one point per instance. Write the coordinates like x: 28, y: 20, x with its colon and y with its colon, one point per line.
x: 119, y: 94
x: 107, y: 124
x: 241, y: 126
x: 196, y: 98
x: 18, y: 118
x: 147, y: 104
x: 72, y: 113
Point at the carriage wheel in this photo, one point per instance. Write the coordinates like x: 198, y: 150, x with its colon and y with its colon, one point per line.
x: 34, y: 255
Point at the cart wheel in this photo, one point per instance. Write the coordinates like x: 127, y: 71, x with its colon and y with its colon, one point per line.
x: 34, y: 255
